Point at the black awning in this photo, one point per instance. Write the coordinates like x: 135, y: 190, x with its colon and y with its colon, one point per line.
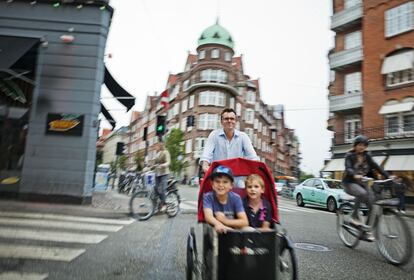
x: 108, y: 116
x: 118, y: 92
x: 13, y: 48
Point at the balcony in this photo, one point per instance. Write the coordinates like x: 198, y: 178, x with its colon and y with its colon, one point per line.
x: 345, y: 102
x: 346, y: 58
x: 198, y: 82
x: 347, y: 18
x: 374, y: 133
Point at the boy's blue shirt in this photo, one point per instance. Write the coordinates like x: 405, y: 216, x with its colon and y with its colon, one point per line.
x: 233, y: 206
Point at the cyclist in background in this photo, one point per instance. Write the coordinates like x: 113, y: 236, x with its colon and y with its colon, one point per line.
x: 359, y: 164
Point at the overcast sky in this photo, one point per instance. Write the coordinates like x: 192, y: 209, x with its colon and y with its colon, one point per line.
x: 284, y: 44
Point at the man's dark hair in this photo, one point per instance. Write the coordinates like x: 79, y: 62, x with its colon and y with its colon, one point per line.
x: 227, y: 110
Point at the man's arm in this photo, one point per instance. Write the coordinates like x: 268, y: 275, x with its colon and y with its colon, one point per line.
x: 208, y: 152
x: 248, y: 149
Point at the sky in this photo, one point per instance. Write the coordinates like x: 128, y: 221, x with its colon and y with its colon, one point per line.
x: 284, y: 44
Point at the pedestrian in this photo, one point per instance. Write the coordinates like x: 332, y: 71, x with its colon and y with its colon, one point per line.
x: 227, y: 142
x: 400, y: 189
x: 162, y: 171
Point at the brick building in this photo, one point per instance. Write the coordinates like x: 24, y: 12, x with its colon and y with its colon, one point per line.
x: 371, y: 90
x: 212, y: 80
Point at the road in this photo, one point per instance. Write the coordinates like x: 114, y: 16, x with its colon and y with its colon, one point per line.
x: 56, y: 246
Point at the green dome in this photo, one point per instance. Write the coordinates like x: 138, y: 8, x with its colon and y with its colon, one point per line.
x: 216, y: 34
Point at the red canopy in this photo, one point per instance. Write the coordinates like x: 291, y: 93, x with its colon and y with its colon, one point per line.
x: 241, y: 167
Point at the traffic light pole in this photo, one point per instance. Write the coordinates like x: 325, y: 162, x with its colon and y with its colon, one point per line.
x: 116, y: 171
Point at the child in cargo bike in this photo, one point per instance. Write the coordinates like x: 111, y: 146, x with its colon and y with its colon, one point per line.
x: 222, y: 208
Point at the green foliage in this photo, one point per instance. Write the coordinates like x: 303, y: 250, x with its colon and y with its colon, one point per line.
x: 139, y: 161
x: 304, y: 176
x: 114, y: 166
x: 122, y: 162
x: 175, y: 145
x: 99, y: 157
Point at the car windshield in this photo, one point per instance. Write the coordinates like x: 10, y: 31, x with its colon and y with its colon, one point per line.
x: 334, y: 184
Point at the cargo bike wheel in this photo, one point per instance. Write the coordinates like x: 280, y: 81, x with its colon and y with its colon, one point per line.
x: 287, y: 264
x: 193, y: 269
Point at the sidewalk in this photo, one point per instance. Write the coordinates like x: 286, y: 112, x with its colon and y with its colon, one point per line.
x: 109, y: 204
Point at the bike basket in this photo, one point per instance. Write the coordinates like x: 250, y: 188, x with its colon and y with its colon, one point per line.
x: 386, y: 191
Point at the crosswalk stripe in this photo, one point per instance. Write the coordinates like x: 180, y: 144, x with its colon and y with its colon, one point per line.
x: 47, y: 235
x: 39, y: 252
x: 285, y: 209
x: 15, y: 275
x: 299, y: 209
x: 66, y: 218
x: 185, y: 206
x: 58, y: 224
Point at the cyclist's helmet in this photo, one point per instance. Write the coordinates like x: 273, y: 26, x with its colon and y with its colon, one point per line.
x: 222, y: 170
x: 361, y: 139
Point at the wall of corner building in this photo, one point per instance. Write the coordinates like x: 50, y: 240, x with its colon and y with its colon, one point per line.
x: 68, y: 80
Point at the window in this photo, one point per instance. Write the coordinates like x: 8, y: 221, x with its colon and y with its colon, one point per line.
x: 199, y: 144
x: 214, y: 75
x: 249, y: 132
x: 352, y: 127
x: 208, y: 121
x: 351, y: 3
x: 251, y: 97
x: 188, y: 146
x: 183, y: 124
x: 186, y: 84
x: 400, y: 77
x: 215, y: 53
x: 174, y: 92
x: 399, y: 19
x: 353, y: 40
x: 202, y: 54
x: 215, y: 98
x: 176, y: 109
x: 249, y: 116
x: 184, y: 106
x: 238, y: 109
x: 401, y: 123
x: 231, y: 105
x: 353, y: 83
x: 191, y: 103
x: 227, y: 56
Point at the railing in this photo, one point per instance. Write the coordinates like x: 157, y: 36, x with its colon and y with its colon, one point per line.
x: 346, y: 58
x: 373, y: 133
x: 197, y: 82
x: 346, y: 17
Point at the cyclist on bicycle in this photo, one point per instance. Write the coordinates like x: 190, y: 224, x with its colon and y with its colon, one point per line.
x: 359, y: 164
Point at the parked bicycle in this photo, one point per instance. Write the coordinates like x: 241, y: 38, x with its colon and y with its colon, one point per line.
x: 392, y: 233
x: 146, y: 201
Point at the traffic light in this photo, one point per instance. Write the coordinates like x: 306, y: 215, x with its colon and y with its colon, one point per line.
x: 161, y: 125
x: 145, y: 134
x: 120, y: 148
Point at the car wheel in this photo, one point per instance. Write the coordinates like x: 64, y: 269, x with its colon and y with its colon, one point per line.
x: 299, y: 200
x: 331, y: 204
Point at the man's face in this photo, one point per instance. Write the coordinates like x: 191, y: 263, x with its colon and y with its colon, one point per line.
x: 361, y: 147
x: 228, y: 120
x: 222, y: 185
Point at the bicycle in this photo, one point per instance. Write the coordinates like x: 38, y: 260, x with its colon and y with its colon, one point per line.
x: 392, y: 233
x: 145, y: 202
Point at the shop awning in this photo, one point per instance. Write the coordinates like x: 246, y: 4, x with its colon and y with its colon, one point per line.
x: 396, y: 108
x: 336, y: 164
x: 13, y: 48
x: 398, y: 62
x: 12, y: 90
x: 118, y: 92
x: 400, y: 163
x: 108, y: 116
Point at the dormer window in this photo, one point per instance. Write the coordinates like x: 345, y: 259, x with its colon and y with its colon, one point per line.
x: 216, y: 35
x: 202, y: 54
x: 215, y: 53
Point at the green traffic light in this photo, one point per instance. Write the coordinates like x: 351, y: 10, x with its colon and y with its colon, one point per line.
x: 160, y: 128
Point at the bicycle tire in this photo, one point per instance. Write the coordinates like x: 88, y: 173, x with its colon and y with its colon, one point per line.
x: 348, y: 234
x: 141, y: 205
x: 391, y: 226
x: 287, y: 267
x: 173, y: 204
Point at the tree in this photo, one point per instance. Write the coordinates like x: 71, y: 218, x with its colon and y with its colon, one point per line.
x: 175, y: 145
x: 304, y: 176
x: 139, y: 161
x: 122, y: 162
x: 99, y: 157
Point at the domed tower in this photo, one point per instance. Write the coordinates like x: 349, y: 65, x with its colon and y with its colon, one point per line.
x: 216, y: 36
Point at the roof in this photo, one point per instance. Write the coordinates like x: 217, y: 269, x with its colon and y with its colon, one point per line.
x: 216, y: 34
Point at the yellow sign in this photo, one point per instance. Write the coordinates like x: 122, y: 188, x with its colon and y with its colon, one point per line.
x: 10, y: 181
x: 63, y: 125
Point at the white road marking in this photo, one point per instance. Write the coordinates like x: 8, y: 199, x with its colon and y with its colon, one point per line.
x: 58, y: 224
x: 16, y: 275
x: 285, y: 209
x: 39, y: 252
x: 66, y: 218
x: 47, y: 235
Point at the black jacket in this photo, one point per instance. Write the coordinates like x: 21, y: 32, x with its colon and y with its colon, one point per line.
x: 351, y: 159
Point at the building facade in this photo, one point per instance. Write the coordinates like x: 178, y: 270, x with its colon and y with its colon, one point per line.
x: 371, y: 89
x: 214, y: 79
